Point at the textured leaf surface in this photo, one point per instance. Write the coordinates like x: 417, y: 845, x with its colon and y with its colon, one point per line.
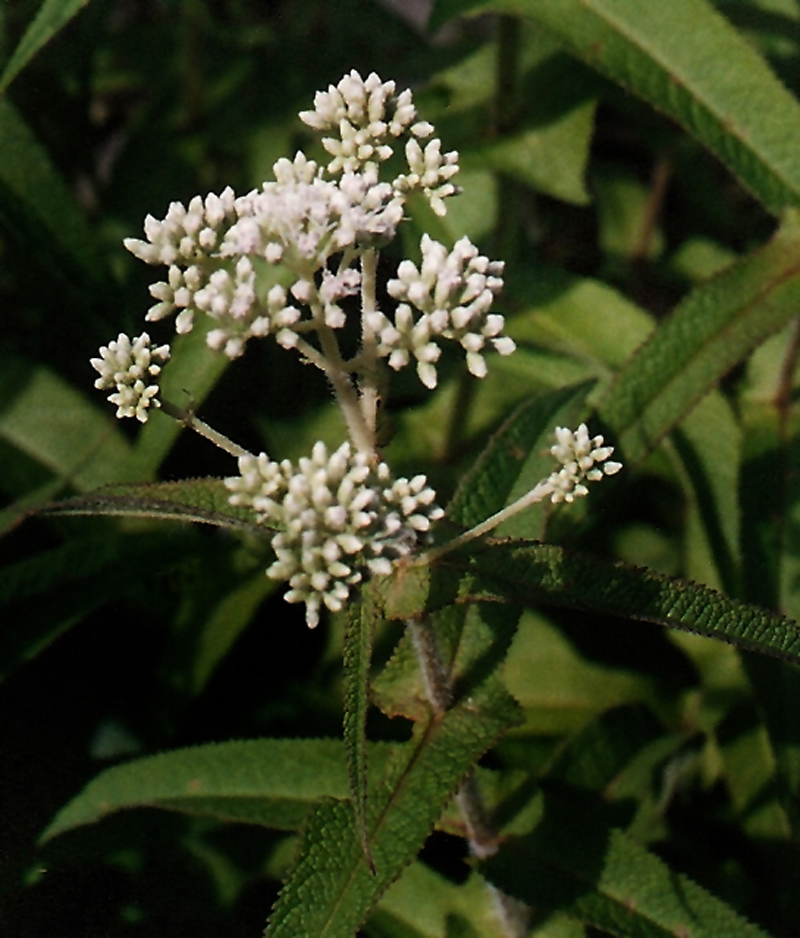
x: 53, y: 15
x: 712, y: 330
x: 272, y: 782
x: 332, y: 888
x: 688, y: 62
x: 577, y: 862
x: 535, y: 574
x: 202, y: 500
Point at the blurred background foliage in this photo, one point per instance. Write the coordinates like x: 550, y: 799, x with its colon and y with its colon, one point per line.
x: 125, y: 638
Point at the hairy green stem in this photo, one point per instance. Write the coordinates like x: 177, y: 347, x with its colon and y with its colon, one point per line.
x: 370, y: 392
x: 188, y: 419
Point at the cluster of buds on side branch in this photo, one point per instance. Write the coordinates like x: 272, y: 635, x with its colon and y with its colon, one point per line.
x: 285, y: 261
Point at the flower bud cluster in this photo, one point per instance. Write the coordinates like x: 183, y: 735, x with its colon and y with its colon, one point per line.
x: 367, y: 116
x: 129, y: 366
x: 453, y: 292
x: 337, y: 515
x: 302, y: 219
x: 583, y: 459
x: 183, y: 241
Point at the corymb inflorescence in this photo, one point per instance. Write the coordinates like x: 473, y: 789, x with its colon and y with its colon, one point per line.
x: 293, y: 261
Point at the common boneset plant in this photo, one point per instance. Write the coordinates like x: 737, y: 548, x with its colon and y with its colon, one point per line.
x: 337, y: 516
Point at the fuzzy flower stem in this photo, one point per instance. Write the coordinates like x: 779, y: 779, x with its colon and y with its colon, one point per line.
x: 331, y: 362
x: 369, y: 388
x: 536, y: 494
x: 188, y: 419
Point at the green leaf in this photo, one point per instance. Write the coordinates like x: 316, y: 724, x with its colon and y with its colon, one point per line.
x: 533, y: 574
x: 578, y: 862
x: 712, y: 330
x: 53, y: 15
x: 424, y: 901
x: 272, y: 782
x: 223, y: 625
x: 577, y: 316
x: 46, y: 418
x: 332, y: 888
x: 708, y: 443
x: 35, y: 203
x: 200, y: 500
x: 678, y: 58
x: 193, y: 371
x: 358, y: 640
x: 550, y: 149
x: 516, y: 458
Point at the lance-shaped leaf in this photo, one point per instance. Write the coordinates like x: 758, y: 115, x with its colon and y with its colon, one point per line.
x: 38, y: 207
x: 688, y: 62
x: 201, y: 500
x: 579, y: 862
x: 332, y: 888
x: 272, y: 782
x: 53, y: 15
x: 710, y: 332
x: 537, y: 574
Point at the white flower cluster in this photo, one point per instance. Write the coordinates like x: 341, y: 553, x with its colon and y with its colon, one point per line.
x: 336, y: 516
x: 317, y: 222
x: 453, y: 292
x: 367, y: 116
x: 583, y: 459
x: 183, y: 241
x: 129, y: 367
x: 301, y: 219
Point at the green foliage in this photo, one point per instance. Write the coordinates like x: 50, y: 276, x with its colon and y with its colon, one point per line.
x: 616, y: 678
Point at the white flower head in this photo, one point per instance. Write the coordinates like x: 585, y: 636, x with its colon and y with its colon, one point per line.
x: 452, y: 293
x: 338, y: 516
x: 131, y: 368
x: 583, y: 459
x: 367, y: 118
x: 185, y: 241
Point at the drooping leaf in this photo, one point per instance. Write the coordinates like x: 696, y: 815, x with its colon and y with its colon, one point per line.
x: 534, y: 574
x: 271, y: 782
x: 200, y: 500
x: 677, y: 57
x: 424, y: 900
x: 578, y: 861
